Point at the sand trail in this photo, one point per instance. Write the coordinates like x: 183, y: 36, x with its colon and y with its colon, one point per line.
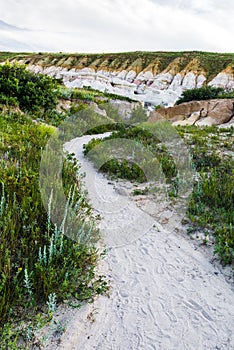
x: 164, y: 293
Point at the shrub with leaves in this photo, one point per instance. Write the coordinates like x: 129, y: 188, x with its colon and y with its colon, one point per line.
x: 203, y: 93
x: 31, y: 92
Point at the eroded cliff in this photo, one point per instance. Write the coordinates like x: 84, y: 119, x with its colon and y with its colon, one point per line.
x: 151, y: 77
x: 202, y: 113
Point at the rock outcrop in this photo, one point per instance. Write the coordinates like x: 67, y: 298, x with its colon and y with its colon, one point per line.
x: 203, y: 113
x: 156, y: 78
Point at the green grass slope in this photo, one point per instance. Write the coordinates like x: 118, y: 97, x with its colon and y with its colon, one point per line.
x: 208, y: 63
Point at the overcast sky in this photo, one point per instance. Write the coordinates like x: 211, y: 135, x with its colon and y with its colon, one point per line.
x: 116, y: 25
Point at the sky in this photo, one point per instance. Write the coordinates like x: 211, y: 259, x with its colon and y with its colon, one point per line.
x: 116, y: 25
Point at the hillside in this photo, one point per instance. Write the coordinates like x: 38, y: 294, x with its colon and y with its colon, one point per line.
x: 150, y: 77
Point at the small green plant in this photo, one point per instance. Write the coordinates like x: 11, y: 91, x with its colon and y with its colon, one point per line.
x: 51, y: 306
x: 9, y: 337
x: 28, y: 285
x: 138, y: 192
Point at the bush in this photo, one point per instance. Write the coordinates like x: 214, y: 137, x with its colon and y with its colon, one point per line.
x: 31, y: 92
x: 203, y: 93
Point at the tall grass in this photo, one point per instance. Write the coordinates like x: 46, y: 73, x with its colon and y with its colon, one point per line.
x: 37, y: 260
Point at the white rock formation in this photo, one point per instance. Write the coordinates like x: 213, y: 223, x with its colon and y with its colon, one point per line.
x: 131, y: 75
x: 162, y: 81
x: 189, y: 81
x: 200, y: 80
x: 208, y: 121
x: 159, y: 89
x: 221, y: 80
x: 176, y: 82
x: 224, y: 80
x: 145, y: 76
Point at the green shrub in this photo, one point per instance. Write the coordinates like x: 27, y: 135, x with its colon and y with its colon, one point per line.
x: 124, y: 169
x: 203, y: 93
x: 32, y: 92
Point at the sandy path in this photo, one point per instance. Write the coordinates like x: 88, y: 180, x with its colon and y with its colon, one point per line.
x: 164, y: 294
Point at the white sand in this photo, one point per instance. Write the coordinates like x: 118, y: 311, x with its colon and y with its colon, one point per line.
x: 164, y: 293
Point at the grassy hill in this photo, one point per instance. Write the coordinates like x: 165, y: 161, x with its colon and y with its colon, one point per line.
x: 207, y: 63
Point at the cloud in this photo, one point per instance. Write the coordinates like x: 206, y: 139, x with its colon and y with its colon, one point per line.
x: 119, y: 25
x: 9, y: 27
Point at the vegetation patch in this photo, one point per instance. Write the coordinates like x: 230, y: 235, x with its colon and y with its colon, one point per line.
x: 144, y: 142
x: 39, y: 265
x: 212, y: 204
x: 31, y: 92
x: 89, y: 94
x: 204, y: 93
